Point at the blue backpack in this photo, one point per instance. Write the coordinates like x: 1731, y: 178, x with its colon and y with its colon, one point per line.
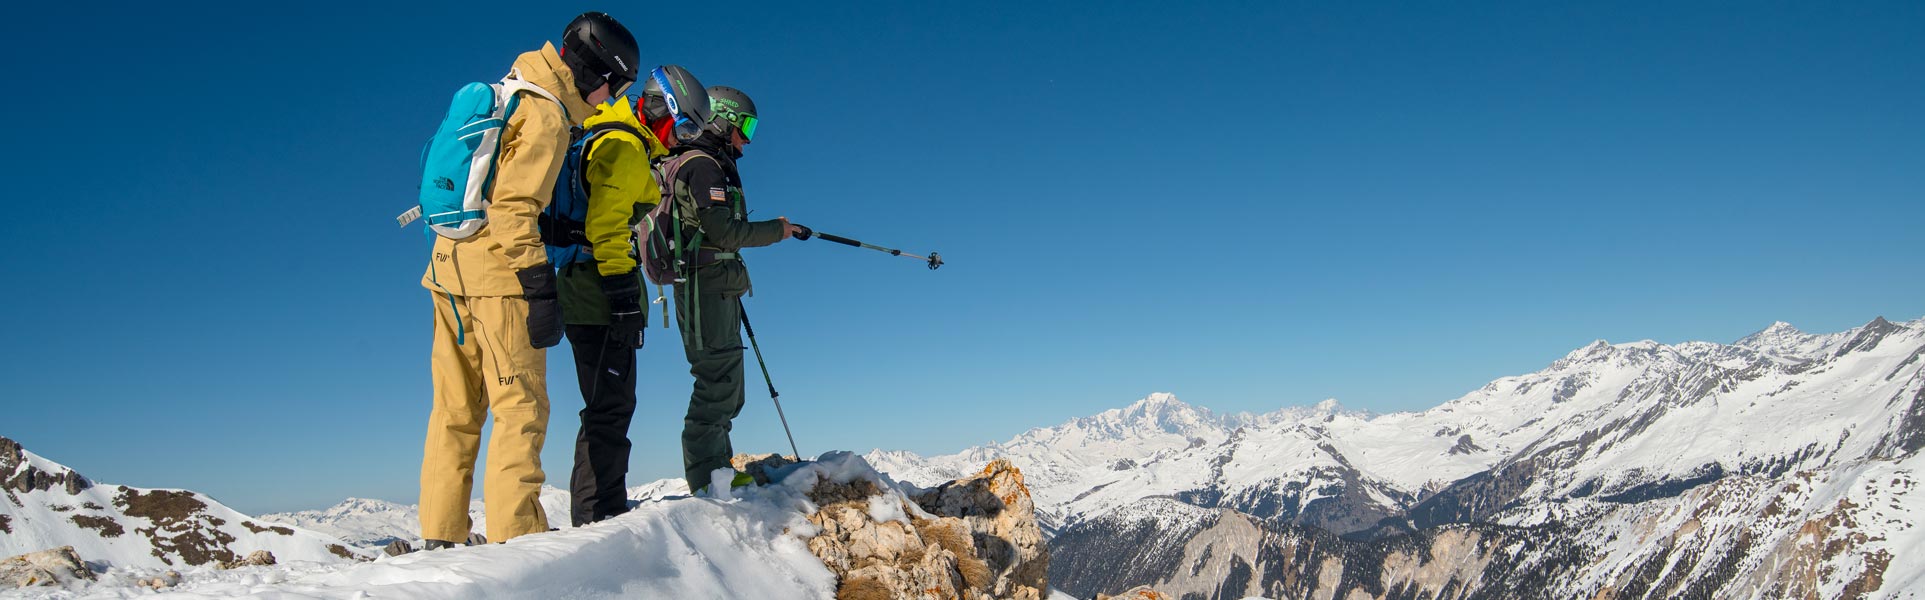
x: 564, y: 223
x: 458, y: 163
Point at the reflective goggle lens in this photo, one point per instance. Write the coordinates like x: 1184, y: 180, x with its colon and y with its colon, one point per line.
x: 686, y: 127
x: 748, y: 127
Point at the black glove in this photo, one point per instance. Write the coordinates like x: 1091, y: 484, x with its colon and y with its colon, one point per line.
x: 626, y: 319
x: 544, y: 309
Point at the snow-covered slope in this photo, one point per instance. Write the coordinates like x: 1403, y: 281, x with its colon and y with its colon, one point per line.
x: 375, y: 523
x: 48, y: 505
x: 759, y: 543
x: 1676, y: 467
x: 1606, y: 420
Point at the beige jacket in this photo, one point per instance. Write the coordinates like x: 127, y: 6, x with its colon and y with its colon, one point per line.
x: 532, y: 148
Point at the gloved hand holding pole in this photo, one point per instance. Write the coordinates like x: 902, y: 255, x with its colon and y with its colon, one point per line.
x: 934, y: 259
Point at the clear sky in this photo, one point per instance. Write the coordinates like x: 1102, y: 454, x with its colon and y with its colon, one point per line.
x: 1251, y: 205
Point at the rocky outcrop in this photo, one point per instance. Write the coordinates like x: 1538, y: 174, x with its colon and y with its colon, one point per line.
x: 48, y: 504
x: 259, y: 558
x: 974, y: 538
x: 17, y: 476
x: 1141, y: 592
x: 48, y: 567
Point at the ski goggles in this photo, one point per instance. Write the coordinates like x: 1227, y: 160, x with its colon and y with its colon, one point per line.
x: 746, y: 123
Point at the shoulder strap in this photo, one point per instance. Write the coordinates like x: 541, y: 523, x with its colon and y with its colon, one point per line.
x: 601, y: 128
x: 514, y: 83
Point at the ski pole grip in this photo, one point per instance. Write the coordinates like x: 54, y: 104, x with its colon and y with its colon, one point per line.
x: 806, y: 232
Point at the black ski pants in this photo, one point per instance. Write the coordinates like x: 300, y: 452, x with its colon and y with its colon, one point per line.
x: 606, y: 371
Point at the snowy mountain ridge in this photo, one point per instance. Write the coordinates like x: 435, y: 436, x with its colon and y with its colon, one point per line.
x: 1162, y: 446
x: 47, y: 505
x: 1603, y: 434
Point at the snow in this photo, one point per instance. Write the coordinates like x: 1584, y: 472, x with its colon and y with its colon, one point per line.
x: 373, y: 523
x: 1633, y: 414
x: 884, y: 509
x: 750, y: 546
x: 51, y: 518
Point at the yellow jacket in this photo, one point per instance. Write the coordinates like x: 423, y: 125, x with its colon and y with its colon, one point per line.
x: 620, y: 185
x: 532, y: 147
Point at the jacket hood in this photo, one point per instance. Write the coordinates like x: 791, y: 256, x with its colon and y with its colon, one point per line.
x: 623, y: 111
x: 544, y: 68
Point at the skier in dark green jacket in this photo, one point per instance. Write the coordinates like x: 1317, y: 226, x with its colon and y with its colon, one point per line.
x: 711, y: 336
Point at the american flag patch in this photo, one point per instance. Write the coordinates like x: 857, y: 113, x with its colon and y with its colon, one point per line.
x: 718, y: 195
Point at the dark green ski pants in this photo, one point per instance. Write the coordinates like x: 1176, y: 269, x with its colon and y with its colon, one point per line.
x: 718, y: 395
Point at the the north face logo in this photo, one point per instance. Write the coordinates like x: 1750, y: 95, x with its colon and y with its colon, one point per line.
x: 444, y: 183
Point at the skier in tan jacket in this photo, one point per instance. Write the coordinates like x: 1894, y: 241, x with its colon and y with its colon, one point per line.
x: 496, y: 311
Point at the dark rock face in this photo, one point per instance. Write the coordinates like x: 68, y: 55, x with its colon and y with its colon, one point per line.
x: 1667, y: 488
x: 1910, y: 435
x: 16, y: 476
x: 1868, y: 336
x: 181, y: 526
x: 107, y: 527
x: 1231, y: 556
x: 1110, y: 554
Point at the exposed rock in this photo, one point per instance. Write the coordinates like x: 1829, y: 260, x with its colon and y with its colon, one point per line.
x: 6, y: 524
x: 759, y: 466
x: 973, y: 539
x: 1141, y: 592
x: 260, y: 558
x: 1465, y: 446
x: 165, y: 580
x: 181, y: 525
x: 997, y: 507
x: 343, y: 552
x: 16, y: 476
x: 107, y: 526
x: 397, y: 548
x: 47, y: 567
x: 277, y: 529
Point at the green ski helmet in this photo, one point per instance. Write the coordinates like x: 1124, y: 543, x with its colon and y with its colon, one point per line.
x: 598, y: 49
x: 733, y: 110
x: 672, y: 93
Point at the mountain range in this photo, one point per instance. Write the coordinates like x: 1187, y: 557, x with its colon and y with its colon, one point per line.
x: 1781, y: 465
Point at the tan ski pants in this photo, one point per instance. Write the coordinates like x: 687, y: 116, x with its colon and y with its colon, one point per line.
x: 495, y: 370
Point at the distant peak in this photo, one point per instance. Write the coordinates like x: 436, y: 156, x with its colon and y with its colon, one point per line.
x: 1779, y: 336
x: 1329, y: 405
x: 1589, y: 350
x: 1160, y: 399
x: 1160, y: 402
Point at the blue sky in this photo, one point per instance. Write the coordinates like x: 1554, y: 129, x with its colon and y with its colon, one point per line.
x: 1251, y: 205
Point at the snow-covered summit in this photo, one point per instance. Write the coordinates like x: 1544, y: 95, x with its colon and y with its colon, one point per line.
x: 1616, y: 418
x: 47, y: 505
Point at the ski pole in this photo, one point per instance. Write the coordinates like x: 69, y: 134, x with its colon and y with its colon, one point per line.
x: 934, y: 259
x: 774, y: 396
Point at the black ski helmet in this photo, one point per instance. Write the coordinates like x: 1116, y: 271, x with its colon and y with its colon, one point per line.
x: 683, y: 97
x: 733, y: 109
x: 599, y: 50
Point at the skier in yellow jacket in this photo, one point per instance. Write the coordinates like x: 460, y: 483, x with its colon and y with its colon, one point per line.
x: 496, y: 310
x: 601, y: 299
